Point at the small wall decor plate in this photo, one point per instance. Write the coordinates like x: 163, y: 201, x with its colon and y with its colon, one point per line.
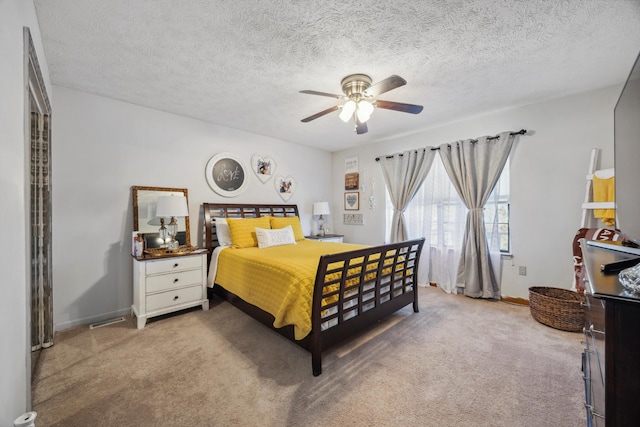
x: 226, y: 175
x: 285, y: 186
x: 263, y: 166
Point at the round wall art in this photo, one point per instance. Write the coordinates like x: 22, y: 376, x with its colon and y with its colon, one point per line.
x: 226, y: 175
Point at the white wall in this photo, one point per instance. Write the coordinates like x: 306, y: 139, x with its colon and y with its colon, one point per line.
x: 102, y: 147
x: 548, y: 171
x: 15, y: 358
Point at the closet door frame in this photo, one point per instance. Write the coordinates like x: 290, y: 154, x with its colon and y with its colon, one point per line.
x: 39, y: 254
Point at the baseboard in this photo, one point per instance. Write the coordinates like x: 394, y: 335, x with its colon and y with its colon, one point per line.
x: 512, y: 300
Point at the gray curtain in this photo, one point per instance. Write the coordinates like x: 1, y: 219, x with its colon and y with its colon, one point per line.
x: 474, y: 167
x: 403, y: 174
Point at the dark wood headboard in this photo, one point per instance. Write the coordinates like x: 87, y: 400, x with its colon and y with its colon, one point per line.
x: 237, y: 210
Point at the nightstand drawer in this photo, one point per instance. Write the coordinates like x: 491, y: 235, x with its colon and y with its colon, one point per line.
x: 173, y: 264
x: 327, y: 238
x: 175, y: 297
x: 179, y: 279
x: 337, y: 239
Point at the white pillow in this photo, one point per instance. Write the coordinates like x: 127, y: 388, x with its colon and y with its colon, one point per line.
x: 275, y: 237
x: 223, y: 232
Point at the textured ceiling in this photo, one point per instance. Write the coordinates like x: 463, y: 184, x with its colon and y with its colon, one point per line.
x: 242, y: 63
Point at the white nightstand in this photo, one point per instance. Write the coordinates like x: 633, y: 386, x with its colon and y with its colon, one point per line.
x: 167, y: 284
x: 327, y: 238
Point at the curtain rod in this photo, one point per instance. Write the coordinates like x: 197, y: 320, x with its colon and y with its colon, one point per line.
x: 473, y: 141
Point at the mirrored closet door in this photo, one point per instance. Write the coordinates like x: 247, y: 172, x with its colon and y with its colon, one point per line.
x: 39, y: 151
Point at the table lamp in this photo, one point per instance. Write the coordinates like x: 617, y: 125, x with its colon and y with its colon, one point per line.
x: 321, y: 208
x: 172, y: 207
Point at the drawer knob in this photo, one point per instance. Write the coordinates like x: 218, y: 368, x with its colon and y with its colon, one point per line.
x: 175, y: 280
x: 176, y: 297
x: 175, y: 265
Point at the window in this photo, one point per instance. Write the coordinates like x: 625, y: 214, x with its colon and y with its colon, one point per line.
x: 437, y: 212
x: 496, y: 214
x: 501, y: 223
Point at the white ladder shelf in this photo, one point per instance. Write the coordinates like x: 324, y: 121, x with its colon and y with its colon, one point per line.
x: 589, y: 205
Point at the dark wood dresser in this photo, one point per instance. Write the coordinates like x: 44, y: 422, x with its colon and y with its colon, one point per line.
x: 611, y: 359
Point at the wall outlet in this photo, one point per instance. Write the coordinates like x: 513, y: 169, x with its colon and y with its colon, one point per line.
x: 522, y: 270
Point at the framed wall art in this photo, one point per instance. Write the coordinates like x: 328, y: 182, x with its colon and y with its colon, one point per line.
x: 351, y: 165
x: 226, y: 175
x: 351, y: 181
x: 353, y: 218
x: 263, y: 166
x: 285, y: 186
x: 352, y: 201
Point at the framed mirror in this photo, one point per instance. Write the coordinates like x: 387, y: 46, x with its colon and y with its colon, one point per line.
x: 145, y: 221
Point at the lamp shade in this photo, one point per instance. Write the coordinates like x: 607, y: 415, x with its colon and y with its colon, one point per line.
x: 172, y: 206
x: 365, y: 108
x: 152, y: 218
x: 347, y: 111
x: 321, y: 208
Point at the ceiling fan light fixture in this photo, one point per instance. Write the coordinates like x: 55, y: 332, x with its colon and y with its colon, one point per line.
x: 365, y: 108
x: 347, y: 111
x: 361, y: 98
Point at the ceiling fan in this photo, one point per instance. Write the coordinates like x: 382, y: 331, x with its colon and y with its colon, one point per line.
x: 360, y: 96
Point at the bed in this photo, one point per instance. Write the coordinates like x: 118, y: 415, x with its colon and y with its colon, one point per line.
x: 348, y: 289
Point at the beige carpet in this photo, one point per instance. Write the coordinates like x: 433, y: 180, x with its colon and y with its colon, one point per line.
x: 459, y: 362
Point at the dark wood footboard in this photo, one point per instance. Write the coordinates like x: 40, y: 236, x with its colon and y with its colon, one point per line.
x: 355, y: 289
x: 352, y: 290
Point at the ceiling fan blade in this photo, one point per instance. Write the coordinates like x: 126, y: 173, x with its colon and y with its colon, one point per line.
x: 320, y: 114
x: 385, y: 85
x: 330, y: 95
x: 399, y: 106
x: 361, y: 127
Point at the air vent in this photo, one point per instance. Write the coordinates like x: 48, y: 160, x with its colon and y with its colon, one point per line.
x: 106, y: 322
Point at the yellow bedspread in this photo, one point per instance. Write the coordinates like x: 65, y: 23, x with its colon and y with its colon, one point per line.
x: 279, y: 279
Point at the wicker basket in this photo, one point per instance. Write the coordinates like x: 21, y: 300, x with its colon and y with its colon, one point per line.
x: 558, y: 308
